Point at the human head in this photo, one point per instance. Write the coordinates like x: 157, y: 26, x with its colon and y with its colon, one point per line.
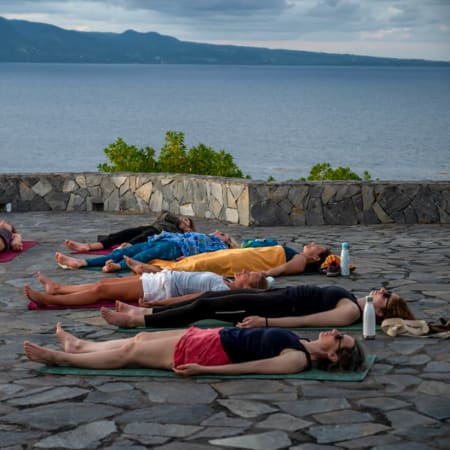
x: 7, y: 226
x: 342, y: 352
x: 226, y: 238
x: 186, y: 224
x: 316, y: 255
x: 387, y: 305
x: 245, y: 279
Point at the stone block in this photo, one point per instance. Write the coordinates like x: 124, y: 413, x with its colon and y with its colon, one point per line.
x: 145, y: 191
x: 70, y: 185
x: 156, y: 201
x: 25, y: 192
x: 231, y: 215
x: 42, y: 187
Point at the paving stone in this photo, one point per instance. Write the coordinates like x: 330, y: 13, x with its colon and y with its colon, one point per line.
x: 404, y: 446
x: 286, y: 422
x: 126, y: 399
x: 344, y: 416
x: 304, y: 408
x: 182, y: 414
x: 336, y: 433
x: 383, y: 403
x: 402, y: 418
x: 221, y: 419
x: 434, y: 388
x: 216, y: 432
x: 246, y: 408
x: 125, y: 445
x: 436, y: 407
x: 177, y: 393
x: 85, y: 436
x: 370, y: 441
x: 47, y: 396
x: 237, y: 387
x: 157, y: 429
x: 438, y: 366
x: 313, y: 447
x: 271, y: 440
x: 9, y: 438
x: 54, y: 416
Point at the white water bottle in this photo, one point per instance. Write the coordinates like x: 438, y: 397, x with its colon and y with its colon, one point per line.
x: 369, y: 320
x: 345, y: 260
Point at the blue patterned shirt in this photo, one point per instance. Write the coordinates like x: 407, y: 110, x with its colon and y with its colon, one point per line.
x: 192, y: 243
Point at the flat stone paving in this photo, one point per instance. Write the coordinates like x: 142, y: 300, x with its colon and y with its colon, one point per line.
x: 404, y: 403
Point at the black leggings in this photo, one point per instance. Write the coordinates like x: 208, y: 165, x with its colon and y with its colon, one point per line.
x: 131, y: 235
x: 230, y: 306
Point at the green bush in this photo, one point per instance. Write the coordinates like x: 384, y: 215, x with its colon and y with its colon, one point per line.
x: 174, y: 158
x: 128, y: 158
x: 324, y: 171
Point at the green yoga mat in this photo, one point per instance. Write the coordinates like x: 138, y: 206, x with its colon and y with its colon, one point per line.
x: 212, y: 323
x: 313, y: 374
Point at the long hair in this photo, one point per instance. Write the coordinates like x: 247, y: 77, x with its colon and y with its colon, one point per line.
x: 397, y: 307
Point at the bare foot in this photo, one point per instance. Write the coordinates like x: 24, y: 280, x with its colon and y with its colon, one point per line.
x: 111, y: 266
x: 51, y: 287
x: 70, y: 343
x: 139, y: 267
x: 69, y: 261
x: 120, y: 319
x: 39, y: 354
x: 126, y: 308
x: 34, y: 296
x: 77, y: 246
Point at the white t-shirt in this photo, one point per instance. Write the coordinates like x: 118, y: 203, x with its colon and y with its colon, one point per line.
x: 167, y: 283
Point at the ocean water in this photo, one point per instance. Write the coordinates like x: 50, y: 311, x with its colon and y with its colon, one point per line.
x: 275, y: 121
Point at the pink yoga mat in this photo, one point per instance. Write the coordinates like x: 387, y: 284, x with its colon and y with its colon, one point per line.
x: 36, y: 307
x: 10, y: 255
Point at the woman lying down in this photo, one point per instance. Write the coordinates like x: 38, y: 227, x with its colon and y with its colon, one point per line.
x: 212, y: 351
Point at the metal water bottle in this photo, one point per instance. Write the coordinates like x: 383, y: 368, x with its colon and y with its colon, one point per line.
x: 369, y: 320
x: 345, y: 260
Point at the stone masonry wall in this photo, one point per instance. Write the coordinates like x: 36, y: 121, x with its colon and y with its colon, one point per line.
x: 233, y: 200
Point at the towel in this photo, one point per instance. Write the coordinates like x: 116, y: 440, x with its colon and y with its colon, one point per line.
x: 10, y: 255
x: 230, y: 261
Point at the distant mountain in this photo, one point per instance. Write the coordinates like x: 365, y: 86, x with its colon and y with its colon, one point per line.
x: 22, y: 41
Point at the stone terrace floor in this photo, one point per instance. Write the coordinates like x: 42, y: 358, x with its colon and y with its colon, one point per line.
x: 404, y: 403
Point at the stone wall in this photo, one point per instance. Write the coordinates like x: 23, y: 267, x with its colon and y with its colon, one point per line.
x: 233, y: 200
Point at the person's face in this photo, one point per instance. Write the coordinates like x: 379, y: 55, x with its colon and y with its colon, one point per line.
x: 313, y: 250
x: 5, y: 225
x: 380, y: 298
x: 224, y: 237
x: 246, y: 278
x: 184, y: 224
x: 333, y: 341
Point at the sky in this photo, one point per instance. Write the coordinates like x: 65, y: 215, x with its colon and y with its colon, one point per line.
x: 388, y: 28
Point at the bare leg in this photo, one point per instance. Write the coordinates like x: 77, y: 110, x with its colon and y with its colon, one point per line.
x: 122, y: 319
x: 154, y: 350
x: 69, y: 261
x: 73, y: 344
x: 83, y: 247
x: 140, y: 267
x: 52, y: 287
x: 127, y: 289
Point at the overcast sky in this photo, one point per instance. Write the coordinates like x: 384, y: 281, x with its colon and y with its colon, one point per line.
x: 392, y: 28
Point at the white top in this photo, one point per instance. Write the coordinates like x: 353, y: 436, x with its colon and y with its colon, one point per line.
x: 169, y: 283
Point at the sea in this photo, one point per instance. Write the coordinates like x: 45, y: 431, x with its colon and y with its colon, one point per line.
x: 276, y: 121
